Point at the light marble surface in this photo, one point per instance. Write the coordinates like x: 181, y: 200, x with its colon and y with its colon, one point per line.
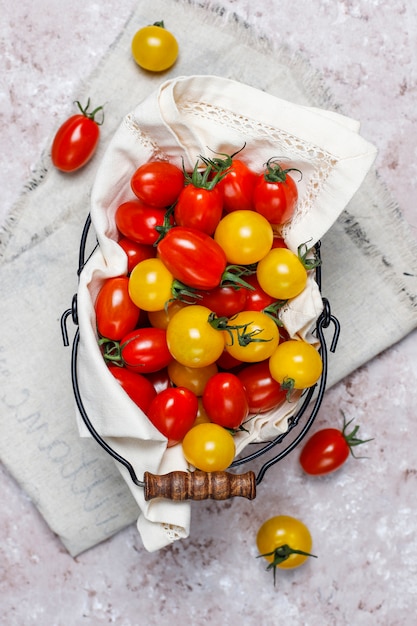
x: 363, y: 519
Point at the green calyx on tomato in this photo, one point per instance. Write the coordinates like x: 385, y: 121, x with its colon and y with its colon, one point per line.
x: 280, y: 555
x: 243, y: 337
x: 92, y: 115
x: 308, y: 257
x: 201, y: 178
x: 272, y: 311
x: 351, y: 439
x: 220, y: 165
x: 275, y: 173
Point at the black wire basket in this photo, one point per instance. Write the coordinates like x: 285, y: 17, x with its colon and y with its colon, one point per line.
x: 199, y: 485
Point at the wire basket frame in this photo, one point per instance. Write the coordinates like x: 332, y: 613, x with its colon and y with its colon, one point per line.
x: 298, y: 424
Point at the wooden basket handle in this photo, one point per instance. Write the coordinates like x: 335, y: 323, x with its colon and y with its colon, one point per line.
x: 199, y: 485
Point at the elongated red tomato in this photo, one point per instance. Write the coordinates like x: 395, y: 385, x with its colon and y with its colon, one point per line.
x: 139, y: 221
x: 145, y: 350
x: 76, y: 140
x: 173, y: 412
x: 158, y: 183
x: 138, y: 387
x: 262, y: 391
x: 116, y: 314
x: 225, y: 401
x: 193, y: 257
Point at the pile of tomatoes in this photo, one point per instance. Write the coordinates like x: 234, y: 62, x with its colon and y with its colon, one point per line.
x: 192, y: 332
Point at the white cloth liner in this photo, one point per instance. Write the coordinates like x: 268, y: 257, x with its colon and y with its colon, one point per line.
x: 184, y: 118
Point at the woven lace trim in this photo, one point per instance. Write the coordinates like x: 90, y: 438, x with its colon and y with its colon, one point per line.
x: 293, y: 147
x: 173, y: 532
x: 147, y: 142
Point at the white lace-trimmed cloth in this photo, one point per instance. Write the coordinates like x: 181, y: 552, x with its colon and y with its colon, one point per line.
x: 185, y: 118
x: 74, y: 484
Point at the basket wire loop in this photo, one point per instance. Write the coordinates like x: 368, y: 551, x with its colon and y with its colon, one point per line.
x: 324, y: 320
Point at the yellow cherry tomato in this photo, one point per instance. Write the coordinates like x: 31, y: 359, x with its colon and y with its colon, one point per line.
x: 161, y: 318
x: 209, y: 447
x: 191, y: 339
x: 150, y: 285
x: 154, y: 48
x: 281, y: 274
x: 192, y: 378
x: 245, y: 236
x: 253, y: 336
x: 279, y: 538
x: 296, y: 364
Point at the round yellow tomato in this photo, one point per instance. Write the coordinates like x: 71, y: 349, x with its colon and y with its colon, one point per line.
x: 192, y: 378
x: 296, y: 364
x: 154, y: 48
x: 284, y: 541
x: 150, y: 285
x: 209, y: 447
x: 161, y: 318
x: 253, y: 336
x: 245, y: 236
x: 281, y: 274
x: 191, y: 339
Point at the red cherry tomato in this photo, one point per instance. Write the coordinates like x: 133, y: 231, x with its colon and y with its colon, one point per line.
x: 173, y: 412
x: 116, y: 314
x: 199, y: 208
x: 237, y: 187
x: 224, y: 301
x: 193, y: 257
x: 262, y: 391
x: 135, y: 252
x: 225, y: 401
x: 139, y: 221
x: 328, y: 449
x: 256, y: 298
x: 157, y: 183
x: 145, y: 350
x: 138, y: 387
x: 76, y: 140
x: 275, y: 194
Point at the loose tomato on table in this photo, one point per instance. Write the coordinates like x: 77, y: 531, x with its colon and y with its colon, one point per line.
x: 275, y: 193
x: 225, y: 400
x: 251, y: 336
x: 157, y: 183
x: 76, y: 140
x: 191, y: 338
x: 296, y: 364
x: 285, y: 542
x: 139, y: 388
x: 154, y: 48
x: 328, y: 449
x: 245, y: 236
x: 116, y: 313
x: 262, y: 390
x: 209, y: 447
x: 173, y: 412
x: 140, y: 221
x: 193, y: 257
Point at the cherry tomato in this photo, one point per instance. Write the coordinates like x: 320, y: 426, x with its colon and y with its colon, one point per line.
x: 202, y: 417
x: 256, y: 298
x: 237, y: 187
x: 135, y: 252
x: 209, y: 447
x: 252, y: 336
x: 199, y: 208
x: 160, y: 379
x: 296, y: 364
x: 138, y: 387
x: 281, y: 274
x: 139, y: 221
x: 145, y: 350
x: 173, y: 412
x: 262, y: 391
x: 285, y: 542
x: 193, y: 257
x: 162, y: 317
x: 328, y: 449
x: 150, y: 285
x: 225, y: 401
x: 76, y: 140
x: 245, y: 236
x: 115, y: 312
x: 191, y: 339
x: 193, y: 378
x: 227, y: 362
x: 154, y: 48
x: 224, y: 300
x: 157, y: 183
x: 275, y: 194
